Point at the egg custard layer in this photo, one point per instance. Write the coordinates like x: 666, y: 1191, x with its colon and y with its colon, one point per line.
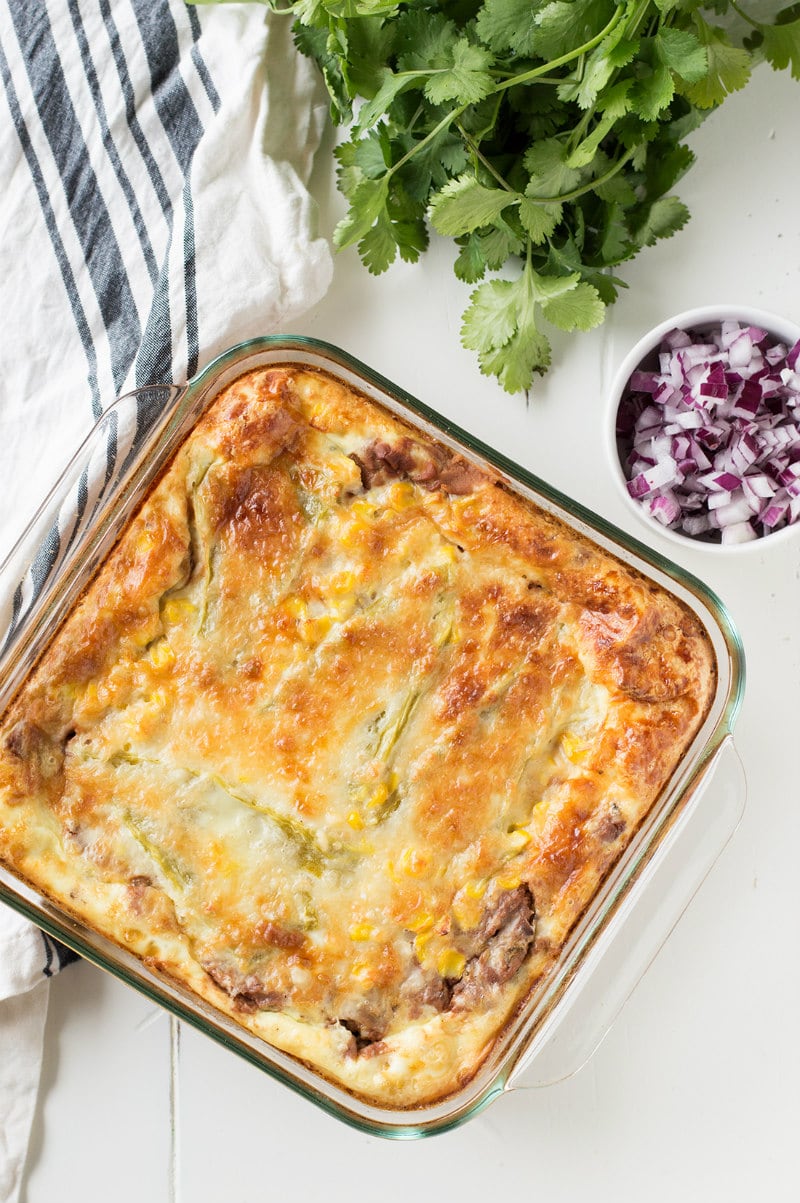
x: 344, y: 736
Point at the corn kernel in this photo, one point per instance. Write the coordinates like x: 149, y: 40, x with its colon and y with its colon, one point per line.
x: 518, y: 839
x: 449, y: 553
x: 476, y: 888
x: 177, y: 609
x: 343, y: 607
x: 412, y: 862
x: 574, y: 748
x: 379, y: 797
x: 143, y: 636
x: 312, y: 630
x: 362, y: 509
x: 349, y: 535
x: 361, y: 931
x: 402, y: 495
x: 355, y: 821
x: 361, y: 971
x: 295, y: 606
x: 386, y: 787
x: 509, y: 881
x: 451, y: 963
x: 423, y: 921
x: 161, y: 655
x: 421, y: 942
x: 342, y: 582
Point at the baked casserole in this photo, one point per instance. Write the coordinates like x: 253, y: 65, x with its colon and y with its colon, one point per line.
x: 345, y: 735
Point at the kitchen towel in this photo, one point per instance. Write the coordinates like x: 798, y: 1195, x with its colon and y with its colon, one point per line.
x: 154, y: 210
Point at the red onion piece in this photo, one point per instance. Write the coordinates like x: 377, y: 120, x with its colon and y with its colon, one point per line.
x: 710, y: 437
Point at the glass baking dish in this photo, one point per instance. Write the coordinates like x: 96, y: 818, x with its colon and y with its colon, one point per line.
x: 638, y: 902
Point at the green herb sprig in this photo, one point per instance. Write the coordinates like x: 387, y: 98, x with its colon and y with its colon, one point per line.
x: 544, y: 136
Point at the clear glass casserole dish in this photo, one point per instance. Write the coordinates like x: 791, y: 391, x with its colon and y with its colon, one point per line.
x: 638, y: 900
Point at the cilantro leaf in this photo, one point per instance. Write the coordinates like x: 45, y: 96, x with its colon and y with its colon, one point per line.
x: 314, y: 42
x: 366, y: 205
x: 526, y: 353
x: 539, y: 220
x: 470, y: 264
x: 464, y: 205
x: 583, y: 154
x: 579, y: 308
x: 651, y: 94
x: 378, y: 248
x: 683, y: 53
x: 604, y: 61
x: 551, y: 173
x: 389, y: 86
x: 781, y: 46
x: 499, y: 244
x: 425, y: 40
x: 565, y: 24
x: 359, y: 8
x: 728, y: 68
x: 508, y: 25
x: 664, y: 217
x: 491, y: 316
x: 467, y: 81
x: 500, y: 322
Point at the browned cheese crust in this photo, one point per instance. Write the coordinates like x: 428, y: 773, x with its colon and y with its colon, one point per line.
x: 345, y: 735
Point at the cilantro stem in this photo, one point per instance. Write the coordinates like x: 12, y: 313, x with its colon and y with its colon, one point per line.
x: 565, y: 58
x: 590, y: 186
x: 473, y: 146
x: 448, y: 119
x: 750, y: 20
x: 578, y: 130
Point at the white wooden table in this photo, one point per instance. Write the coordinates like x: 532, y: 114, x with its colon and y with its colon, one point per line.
x: 695, y: 1093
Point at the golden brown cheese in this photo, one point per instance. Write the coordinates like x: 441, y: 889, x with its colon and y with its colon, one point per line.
x: 344, y: 736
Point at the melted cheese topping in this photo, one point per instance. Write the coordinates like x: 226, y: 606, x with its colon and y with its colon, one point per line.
x: 344, y: 736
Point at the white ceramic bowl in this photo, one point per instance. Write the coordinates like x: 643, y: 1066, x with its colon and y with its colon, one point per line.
x: 643, y: 355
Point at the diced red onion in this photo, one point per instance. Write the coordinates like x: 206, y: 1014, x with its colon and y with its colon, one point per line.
x: 738, y: 532
x: 711, y: 437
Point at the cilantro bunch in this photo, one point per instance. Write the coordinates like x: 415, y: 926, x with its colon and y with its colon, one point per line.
x: 544, y: 136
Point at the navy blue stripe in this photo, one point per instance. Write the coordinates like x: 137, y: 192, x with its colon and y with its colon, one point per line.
x: 16, y: 607
x: 82, y: 500
x: 190, y: 285
x: 154, y: 361
x: 65, y: 955
x: 49, y: 949
x: 45, y: 557
x: 83, y: 494
x: 67, y: 276
x: 199, y: 61
x: 149, y: 407
x: 156, y: 178
x: 150, y: 403
x: 111, y: 447
x: 173, y: 101
x: 108, y: 141
x: 87, y: 209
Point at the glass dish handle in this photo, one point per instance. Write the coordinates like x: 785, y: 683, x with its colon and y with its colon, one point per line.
x: 651, y: 910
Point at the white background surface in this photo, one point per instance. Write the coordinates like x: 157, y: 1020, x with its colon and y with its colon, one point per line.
x: 695, y: 1093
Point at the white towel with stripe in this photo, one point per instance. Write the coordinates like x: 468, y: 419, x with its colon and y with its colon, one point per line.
x: 154, y: 210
